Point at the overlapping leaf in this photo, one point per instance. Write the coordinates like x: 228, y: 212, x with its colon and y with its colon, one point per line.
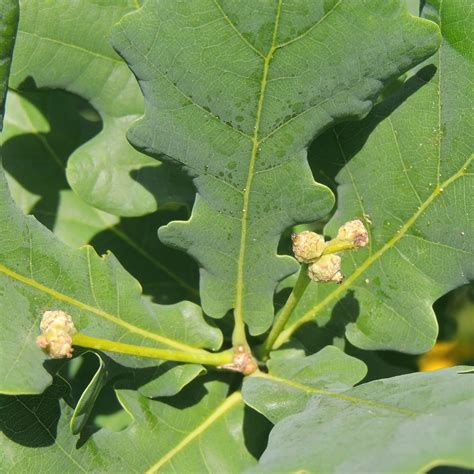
x: 407, y: 172
x: 234, y: 92
x: 38, y: 273
x: 41, y: 130
x: 403, y: 424
x: 65, y: 45
x: 203, y: 432
x: 290, y: 383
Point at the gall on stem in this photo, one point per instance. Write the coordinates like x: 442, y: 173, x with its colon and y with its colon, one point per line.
x: 324, y: 265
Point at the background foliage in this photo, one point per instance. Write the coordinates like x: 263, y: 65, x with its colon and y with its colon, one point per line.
x: 235, y: 99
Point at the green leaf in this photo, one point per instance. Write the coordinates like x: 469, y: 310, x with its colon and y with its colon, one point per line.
x: 87, y: 381
x: 88, y: 397
x: 42, y: 128
x: 166, y: 380
x: 38, y: 273
x: 235, y: 94
x: 169, y: 379
x: 201, y: 431
x: 8, y: 25
x: 290, y: 383
x: 407, y: 171
x: 403, y: 424
x: 65, y: 45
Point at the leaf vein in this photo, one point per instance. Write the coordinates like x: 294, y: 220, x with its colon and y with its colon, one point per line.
x: 228, y: 404
x: 312, y: 313
x: 342, y: 396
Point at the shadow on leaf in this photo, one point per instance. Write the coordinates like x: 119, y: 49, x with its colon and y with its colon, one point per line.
x: 328, y: 153
x: 55, y: 124
x: 32, y: 420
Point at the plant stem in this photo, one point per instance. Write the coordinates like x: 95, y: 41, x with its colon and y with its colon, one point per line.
x: 334, y: 246
x: 238, y: 335
x: 201, y: 357
x: 296, y: 294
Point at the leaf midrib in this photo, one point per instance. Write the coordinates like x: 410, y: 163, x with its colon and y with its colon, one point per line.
x: 228, y: 404
x: 342, y: 396
x: 238, y: 310
x: 32, y: 283
x: 312, y: 313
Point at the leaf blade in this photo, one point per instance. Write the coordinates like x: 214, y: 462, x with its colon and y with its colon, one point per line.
x: 420, y: 233
x: 371, y: 436
x: 40, y: 273
x: 251, y: 132
x: 79, y: 59
x: 290, y: 383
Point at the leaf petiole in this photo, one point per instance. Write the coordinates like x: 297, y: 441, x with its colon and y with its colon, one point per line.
x: 280, y: 323
x: 198, y: 357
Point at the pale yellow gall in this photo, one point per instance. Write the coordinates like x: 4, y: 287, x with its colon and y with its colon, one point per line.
x: 57, y: 329
x: 307, y: 246
x: 353, y: 232
x: 327, y: 268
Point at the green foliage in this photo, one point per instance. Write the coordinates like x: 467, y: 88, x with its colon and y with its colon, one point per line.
x: 51, y: 53
x: 8, y: 24
x: 201, y: 432
x: 231, y: 94
x: 40, y: 273
x: 237, y: 108
x: 415, y: 197
x: 291, y: 382
x: 401, y: 424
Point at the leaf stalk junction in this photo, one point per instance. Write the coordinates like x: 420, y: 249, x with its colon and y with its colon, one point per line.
x: 319, y: 263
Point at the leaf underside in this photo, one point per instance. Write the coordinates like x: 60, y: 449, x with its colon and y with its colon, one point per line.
x: 235, y: 97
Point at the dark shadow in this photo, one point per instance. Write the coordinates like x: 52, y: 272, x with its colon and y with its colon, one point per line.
x: 256, y: 430
x: 32, y: 420
x: 168, y: 183
x: 66, y: 121
x: 454, y: 312
x: 449, y: 470
x: 192, y: 394
x: 168, y: 275
x: 324, y: 154
x: 106, y: 404
x: 383, y: 364
x: 314, y: 337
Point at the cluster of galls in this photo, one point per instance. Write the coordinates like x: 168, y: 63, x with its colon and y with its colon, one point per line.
x: 323, y: 264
